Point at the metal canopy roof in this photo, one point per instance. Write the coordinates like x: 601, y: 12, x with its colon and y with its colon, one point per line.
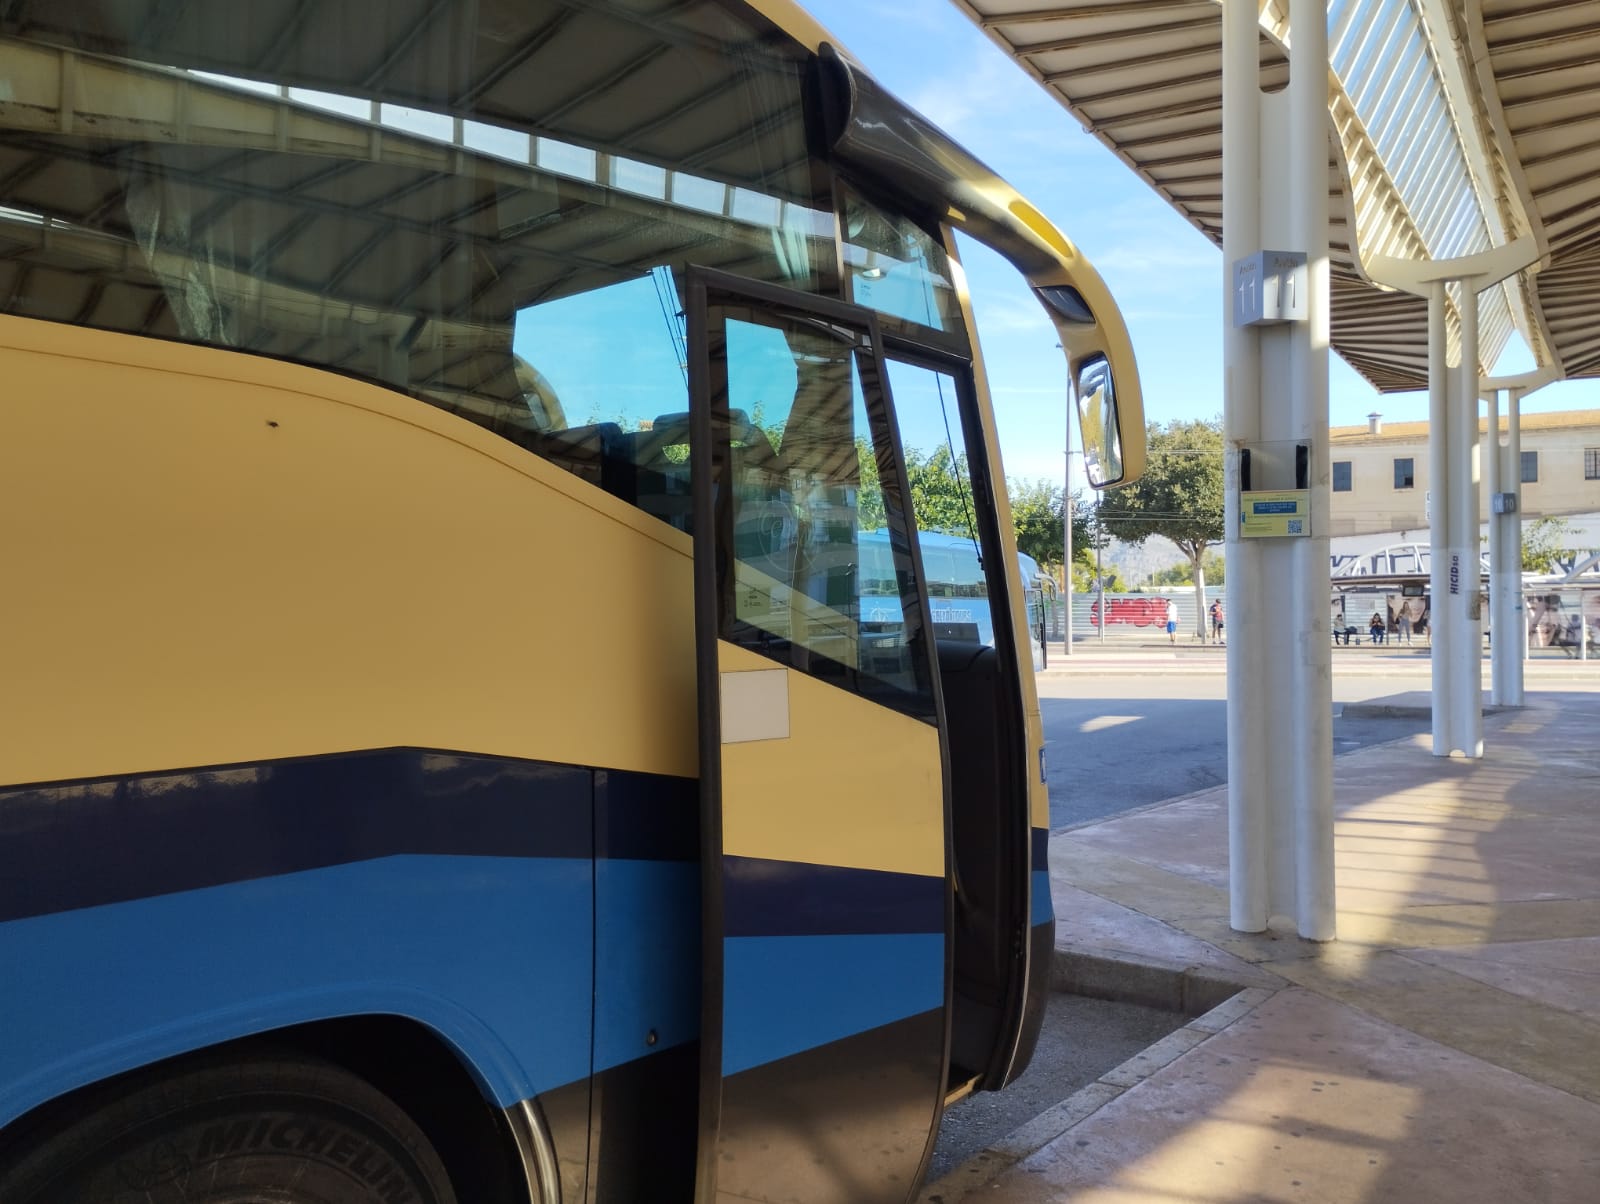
x: 1454, y: 127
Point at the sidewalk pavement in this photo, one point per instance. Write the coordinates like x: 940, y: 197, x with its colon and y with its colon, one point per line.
x: 1445, y: 1048
x: 1151, y: 658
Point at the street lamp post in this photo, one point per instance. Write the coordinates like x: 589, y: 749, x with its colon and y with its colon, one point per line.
x: 1066, y: 544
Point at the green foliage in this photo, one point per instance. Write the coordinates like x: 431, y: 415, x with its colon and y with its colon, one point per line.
x: 1180, y: 495
x: 1036, y: 515
x: 941, y: 496
x: 869, y: 501
x: 1183, y: 574
x: 1542, y: 541
x: 941, y: 491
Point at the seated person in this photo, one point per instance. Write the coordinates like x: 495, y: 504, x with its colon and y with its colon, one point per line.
x: 1375, y: 628
x: 1341, y: 630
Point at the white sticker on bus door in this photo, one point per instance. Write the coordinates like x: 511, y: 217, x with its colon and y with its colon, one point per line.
x: 755, y: 706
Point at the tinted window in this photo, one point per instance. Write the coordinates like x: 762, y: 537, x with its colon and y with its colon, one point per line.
x: 1341, y: 476
x: 486, y: 205
x: 821, y: 567
x: 897, y: 268
x: 1591, y: 463
x: 1530, y: 467
x: 1403, y: 475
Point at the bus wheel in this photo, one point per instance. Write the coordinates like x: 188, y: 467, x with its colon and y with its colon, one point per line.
x: 290, y: 1130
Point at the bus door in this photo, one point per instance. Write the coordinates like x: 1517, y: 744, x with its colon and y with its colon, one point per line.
x: 826, y: 903
x: 1003, y: 930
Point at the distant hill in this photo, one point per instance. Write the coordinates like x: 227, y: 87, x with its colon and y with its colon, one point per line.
x: 1137, y: 563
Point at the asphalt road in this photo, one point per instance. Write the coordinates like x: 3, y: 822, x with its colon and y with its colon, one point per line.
x: 1114, y: 743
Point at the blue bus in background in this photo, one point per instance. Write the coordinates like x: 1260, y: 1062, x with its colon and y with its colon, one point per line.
x: 957, y: 594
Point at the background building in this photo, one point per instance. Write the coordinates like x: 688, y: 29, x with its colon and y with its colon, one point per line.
x: 1380, y: 473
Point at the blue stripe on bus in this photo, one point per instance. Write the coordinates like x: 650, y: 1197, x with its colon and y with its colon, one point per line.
x: 784, y: 995
x: 1043, y: 911
x: 493, y: 953
x: 647, y: 958
x: 790, y: 898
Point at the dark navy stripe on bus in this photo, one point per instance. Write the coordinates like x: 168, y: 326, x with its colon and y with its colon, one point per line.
x: 1040, y: 847
x: 791, y: 898
x: 141, y: 835
x: 646, y: 817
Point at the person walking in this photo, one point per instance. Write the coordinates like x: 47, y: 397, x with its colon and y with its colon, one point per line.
x: 1216, y: 621
x: 1172, y: 621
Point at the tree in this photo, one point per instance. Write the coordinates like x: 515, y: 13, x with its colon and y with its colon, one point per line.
x: 1179, y: 497
x: 1036, y: 516
x: 941, y: 498
x: 1089, y: 573
x: 941, y: 491
x: 1183, y: 574
x: 1542, y: 543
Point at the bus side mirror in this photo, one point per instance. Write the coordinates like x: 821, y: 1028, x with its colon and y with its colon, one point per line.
x: 1099, y: 422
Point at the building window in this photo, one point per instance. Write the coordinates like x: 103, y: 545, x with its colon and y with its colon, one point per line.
x: 1341, y: 476
x: 1530, y: 467
x: 1591, y: 464
x: 1404, y: 473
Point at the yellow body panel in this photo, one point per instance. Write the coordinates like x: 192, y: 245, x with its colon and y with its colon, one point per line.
x: 797, y: 799
x: 213, y: 557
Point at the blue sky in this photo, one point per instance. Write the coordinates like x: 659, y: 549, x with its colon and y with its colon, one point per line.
x: 1165, y: 274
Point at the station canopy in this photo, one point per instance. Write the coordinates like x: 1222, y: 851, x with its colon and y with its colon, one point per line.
x: 1454, y: 126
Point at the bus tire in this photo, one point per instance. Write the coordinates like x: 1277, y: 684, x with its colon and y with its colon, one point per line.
x: 289, y: 1129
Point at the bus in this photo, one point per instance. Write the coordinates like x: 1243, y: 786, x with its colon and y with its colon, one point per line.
x: 445, y: 757
x: 958, y: 593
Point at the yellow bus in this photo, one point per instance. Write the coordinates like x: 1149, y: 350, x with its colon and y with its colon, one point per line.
x: 450, y: 751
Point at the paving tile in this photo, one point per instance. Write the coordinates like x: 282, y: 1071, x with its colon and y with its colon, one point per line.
x: 1546, y: 1043
x: 1561, y: 973
x: 1307, y: 1100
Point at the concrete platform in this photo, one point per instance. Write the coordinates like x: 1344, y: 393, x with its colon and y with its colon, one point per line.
x: 1445, y: 1048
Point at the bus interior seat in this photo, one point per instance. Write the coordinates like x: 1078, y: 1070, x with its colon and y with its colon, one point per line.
x: 662, y: 479
x: 591, y: 453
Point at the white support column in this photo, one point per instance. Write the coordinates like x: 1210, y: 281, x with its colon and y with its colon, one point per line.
x: 1453, y: 570
x: 1246, y: 585
x: 1466, y: 649
x: 1280, y: 734
x: 1513, y: 479
x: 1310, y: 713
x: 1500, y: 643
x: 1509, y: 646
x: 1440, y: 615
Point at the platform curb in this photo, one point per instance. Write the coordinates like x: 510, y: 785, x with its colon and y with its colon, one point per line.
x: 1141, y: 982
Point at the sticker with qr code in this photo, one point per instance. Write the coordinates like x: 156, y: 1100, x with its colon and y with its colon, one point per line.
x: 1294, y: 526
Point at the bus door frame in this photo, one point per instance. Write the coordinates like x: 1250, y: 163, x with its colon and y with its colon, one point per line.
x: 704, y: 287
x: 961, y: 368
